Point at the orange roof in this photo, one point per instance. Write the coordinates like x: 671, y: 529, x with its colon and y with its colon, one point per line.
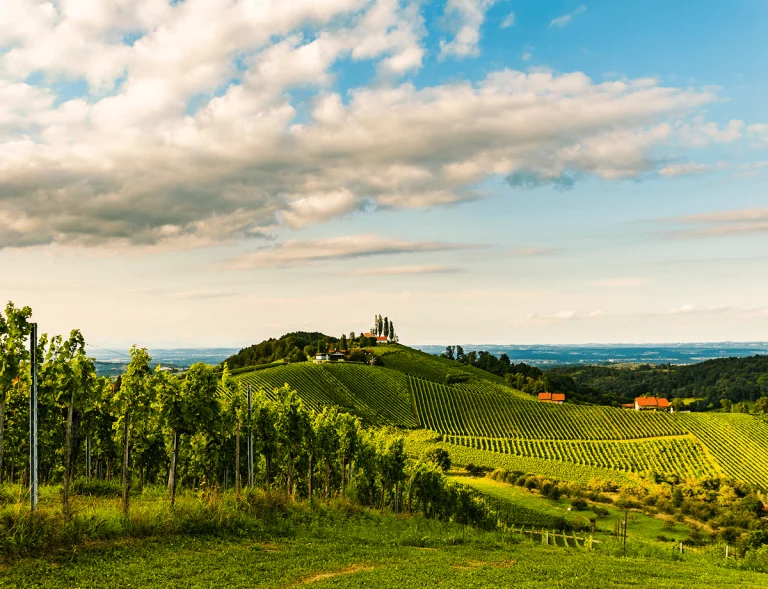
x: 558, y: 396
x: 367, y: 334
x: 545, y: 396
x: 652, y: 402
x: 382, y: 338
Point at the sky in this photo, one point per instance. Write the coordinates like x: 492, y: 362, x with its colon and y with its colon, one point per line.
x: 214, y: 173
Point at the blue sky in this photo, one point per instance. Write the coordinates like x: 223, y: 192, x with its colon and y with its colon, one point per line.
x: 199, y: 173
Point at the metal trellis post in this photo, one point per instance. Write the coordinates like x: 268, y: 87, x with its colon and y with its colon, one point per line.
x: 33, y: 420
x: 250, y: 438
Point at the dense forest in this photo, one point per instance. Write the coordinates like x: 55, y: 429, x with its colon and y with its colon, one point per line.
x: 714, y: 382
x: 717, y: 383
x: 293, y: 347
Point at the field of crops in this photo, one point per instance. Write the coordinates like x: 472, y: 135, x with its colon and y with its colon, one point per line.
x: 429, y: 367
x: 491, y: 425
x: 384, y: 391
x: 377, y: 395
x: 419, y: 442
x: 680, y: 455
x: 738, y: 442
x: 467, y: 410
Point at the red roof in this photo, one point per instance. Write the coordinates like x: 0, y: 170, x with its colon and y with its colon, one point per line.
x: 553, y: 397
x: 652, y: 402
x: 382, y: 338
x: 367, y: 334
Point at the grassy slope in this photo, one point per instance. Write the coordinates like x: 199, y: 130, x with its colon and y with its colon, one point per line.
x: 484, y: 408
x: 640, y: 526
x: 368, y: 551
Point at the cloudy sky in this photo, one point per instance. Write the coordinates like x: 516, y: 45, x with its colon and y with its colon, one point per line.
x: 214, y: 172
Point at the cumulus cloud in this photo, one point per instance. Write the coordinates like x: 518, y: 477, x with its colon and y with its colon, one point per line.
x: 300, y: 253
x: 720, y: 223
x: 565, y: 19
x: 465, y: 17
x: 527, y: 179
x: 187, y: 138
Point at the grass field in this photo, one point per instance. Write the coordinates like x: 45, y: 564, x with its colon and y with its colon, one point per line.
x: 337, y: 549
x: 640, y: 526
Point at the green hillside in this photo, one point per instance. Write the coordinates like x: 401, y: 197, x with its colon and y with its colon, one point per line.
x: 481, y: 421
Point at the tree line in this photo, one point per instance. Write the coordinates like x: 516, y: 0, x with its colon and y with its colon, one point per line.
x: 730, y: 383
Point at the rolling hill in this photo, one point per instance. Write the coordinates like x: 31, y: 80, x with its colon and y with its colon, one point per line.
x: 479, y: 420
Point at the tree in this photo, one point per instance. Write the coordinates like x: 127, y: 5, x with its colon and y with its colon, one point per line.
x: 76, y: 382
x: 678, y: 404
x: 14, y: 329
x: 386, y: 327
x: 265, y: 435
x: 349, y: 433
x: 326, y: 437
x: 392, y: 335
x: 460, y: 355
x: 450, y: 353
x: 202, y: 413
x: 761, y: 405
x: 726, y: 404
x: 133, y: 401
x: 393, y: 461
x: 291, y: 424
x: 379, y: 325
x: 343, y: 342
x: 235, y: 408
x: 440, y: 457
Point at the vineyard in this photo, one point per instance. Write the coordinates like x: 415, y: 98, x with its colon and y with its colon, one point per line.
x: 488, y: 424
x: 480, y: 410
x: 419, y: 441
x: 682, y: 455
x: 484, y: 417
x: 379, y: 398
x: 422, y: 365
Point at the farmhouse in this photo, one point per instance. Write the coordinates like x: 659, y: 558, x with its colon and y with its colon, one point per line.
x: 380, y: 339
x: 651, y: 404
x: 558, y: 398
x: 330, y: 356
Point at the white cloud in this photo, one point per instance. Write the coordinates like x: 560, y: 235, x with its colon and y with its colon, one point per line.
x: 693, y: 309
x: 526, y: 56
x: 134, y: 164
x: 409, y: 270
x: 465, y: 17
x: 721, y: 223
x: 674, y: 170
x: 565, y: 19
x: 300, y: 253
x: 759, y: 134
x: 509, y: 21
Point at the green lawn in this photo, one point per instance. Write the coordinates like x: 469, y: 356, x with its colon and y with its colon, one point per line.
x: 362, y: 551
x: 639, y: 526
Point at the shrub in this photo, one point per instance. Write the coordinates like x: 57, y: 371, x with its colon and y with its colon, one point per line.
x: 578, y: 504
x: 440, y: 457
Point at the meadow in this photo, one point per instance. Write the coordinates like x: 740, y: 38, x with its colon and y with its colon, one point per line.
x: 287, y: 544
